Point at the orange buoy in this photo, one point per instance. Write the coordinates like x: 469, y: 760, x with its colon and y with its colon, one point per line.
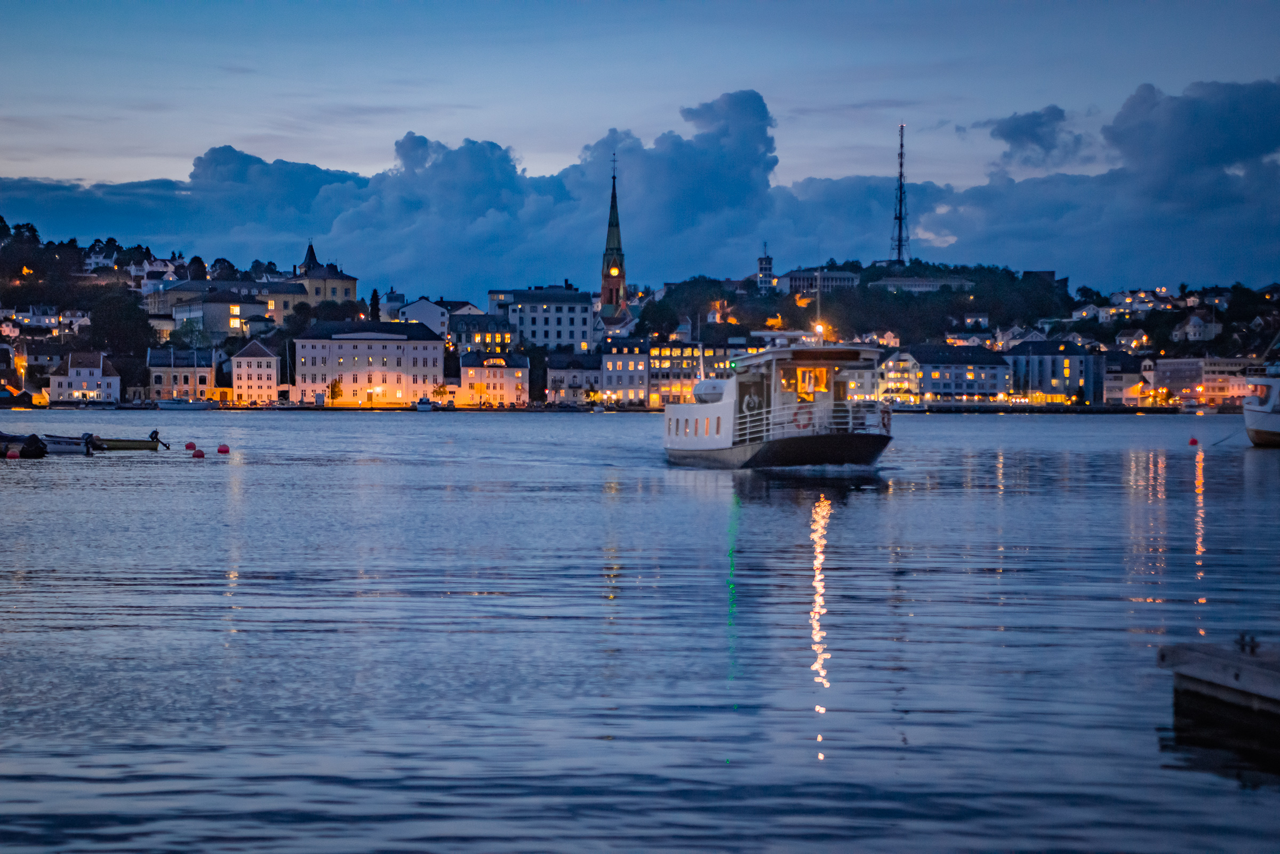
x: 224, y: 449
x: 197, y: 455
x: 1193, y: 441
x: 191, y: 446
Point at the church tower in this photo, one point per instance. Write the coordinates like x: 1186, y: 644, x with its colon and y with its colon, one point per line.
x: 613, y: 273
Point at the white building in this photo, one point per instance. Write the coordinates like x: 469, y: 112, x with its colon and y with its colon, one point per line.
x: 84, y: 376
x: 809, y: 280
x: 574, y: 377
x: 559, y: 316
x: 367, y: 364
x: 255, y: 373
x: 625, y: 373
x: 423, y: 310
x: 493, y: 378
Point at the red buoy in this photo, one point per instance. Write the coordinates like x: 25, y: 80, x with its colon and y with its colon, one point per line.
x: 1193, y: 441
x: 197, y: 455
x: 223, y: 449
x: 13, y: 454
x: 191, y: 446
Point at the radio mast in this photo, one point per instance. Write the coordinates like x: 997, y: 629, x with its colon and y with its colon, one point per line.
x: 900, y: 249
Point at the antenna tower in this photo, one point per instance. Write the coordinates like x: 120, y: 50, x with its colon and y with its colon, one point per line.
x: 901, y: 250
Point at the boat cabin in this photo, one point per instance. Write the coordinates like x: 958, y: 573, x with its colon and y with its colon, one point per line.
x: 781, y: 393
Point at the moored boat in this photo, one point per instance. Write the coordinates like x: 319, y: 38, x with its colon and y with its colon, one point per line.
x: 1262, y: 408
x: 783, y: 407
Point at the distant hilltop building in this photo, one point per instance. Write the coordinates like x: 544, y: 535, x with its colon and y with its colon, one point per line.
x: 764, y: 270
x: 922, y: 284
x: 808, y: 280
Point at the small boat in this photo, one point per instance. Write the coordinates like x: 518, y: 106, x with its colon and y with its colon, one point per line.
x: 97, y: 443
x: 424, y: 405
x: 183, y: 404
x: 84, y: 446
x: 806, y: 405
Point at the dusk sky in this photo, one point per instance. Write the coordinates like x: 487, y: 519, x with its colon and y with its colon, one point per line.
x: 453, y: 148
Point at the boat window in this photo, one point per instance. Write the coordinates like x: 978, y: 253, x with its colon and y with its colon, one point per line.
x: 695, y: 426
x: 841, y: 390
x: 1264, y: 393
x: 787, y: 378
x: 706, y: 427
x: 668, y: 426
x: 686, y: 426
x: 717, y: 425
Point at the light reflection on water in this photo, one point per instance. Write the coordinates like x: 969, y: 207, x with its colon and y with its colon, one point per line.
x: 506, y: 633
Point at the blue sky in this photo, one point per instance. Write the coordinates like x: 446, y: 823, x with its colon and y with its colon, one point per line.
x: 1007, y: 107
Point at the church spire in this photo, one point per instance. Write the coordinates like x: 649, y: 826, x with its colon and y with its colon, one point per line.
x: 613, y: 273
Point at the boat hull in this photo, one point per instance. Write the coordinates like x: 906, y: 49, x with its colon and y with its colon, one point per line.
x: 1262, y: 424
x: 832, y: 449
x: 130, y: 445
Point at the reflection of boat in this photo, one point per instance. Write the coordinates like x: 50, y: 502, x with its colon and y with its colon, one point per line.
x: 1224, y: 739
x: 786, y: 406
x: 179, y: 403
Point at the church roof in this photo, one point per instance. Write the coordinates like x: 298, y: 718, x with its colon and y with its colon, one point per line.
x: 310, y: 260
x: 613, y: 241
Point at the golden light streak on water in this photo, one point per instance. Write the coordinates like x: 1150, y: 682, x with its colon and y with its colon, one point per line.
x: 1199, y: 506
x: 818, y: 534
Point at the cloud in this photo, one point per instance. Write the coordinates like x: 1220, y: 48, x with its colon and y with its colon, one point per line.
x: 1182, y: 205
x: 1036, y: 139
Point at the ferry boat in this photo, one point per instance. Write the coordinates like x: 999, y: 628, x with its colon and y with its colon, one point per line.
x: 1262, y: 407
x: 806, y: 405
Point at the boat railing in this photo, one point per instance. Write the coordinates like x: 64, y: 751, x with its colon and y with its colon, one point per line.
x: 811, y: 419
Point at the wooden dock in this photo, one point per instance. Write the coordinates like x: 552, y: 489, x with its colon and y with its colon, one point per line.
x: 1243, y: 675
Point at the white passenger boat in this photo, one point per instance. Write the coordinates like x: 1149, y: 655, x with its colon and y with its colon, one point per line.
x: 787, y: 406
x: 423, y: 405
x: 1262, y: 408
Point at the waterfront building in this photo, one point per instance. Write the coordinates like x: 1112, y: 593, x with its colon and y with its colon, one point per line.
x: 493, y: 378
x: 1125, y: 384
x: 925, y: 373
x: 219, y: 313
x: 255, y: 374
x: 487, y: 333
x: 85, y: 376
x: 676, y: 367
x: 551, y: 317
x: 183, y: 374
x: 367, y: 363
x: 1057, y: 372
x: 423, y: 310
x: 1210, y: 381
x: 574, y: 377
x: 625, y: 371
x: 322, y: 281
x: 808, y: 280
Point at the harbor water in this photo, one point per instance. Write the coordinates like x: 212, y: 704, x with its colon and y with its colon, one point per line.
x: 526, y: 632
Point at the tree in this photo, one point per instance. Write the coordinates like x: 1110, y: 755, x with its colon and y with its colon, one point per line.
x: 223, y: 270
x: 335, y: 389
x: 658, y: 316
x: 297, y: 323
x: 196, y: 270
x: 4, y: 230
x: 190, y: 335
x: 119, y: 324
x: 375, y: 305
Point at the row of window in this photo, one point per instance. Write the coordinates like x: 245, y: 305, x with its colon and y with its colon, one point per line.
x: 248, y: 364
x: 158, y: 379
x: 355, y: 378
x: 701, y: 426
x: 333, y: 292
x: 367, y: 347
x: 546, y: 321
x: 250, y: 377
x: 70, y: 384
x: 631, y: 366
